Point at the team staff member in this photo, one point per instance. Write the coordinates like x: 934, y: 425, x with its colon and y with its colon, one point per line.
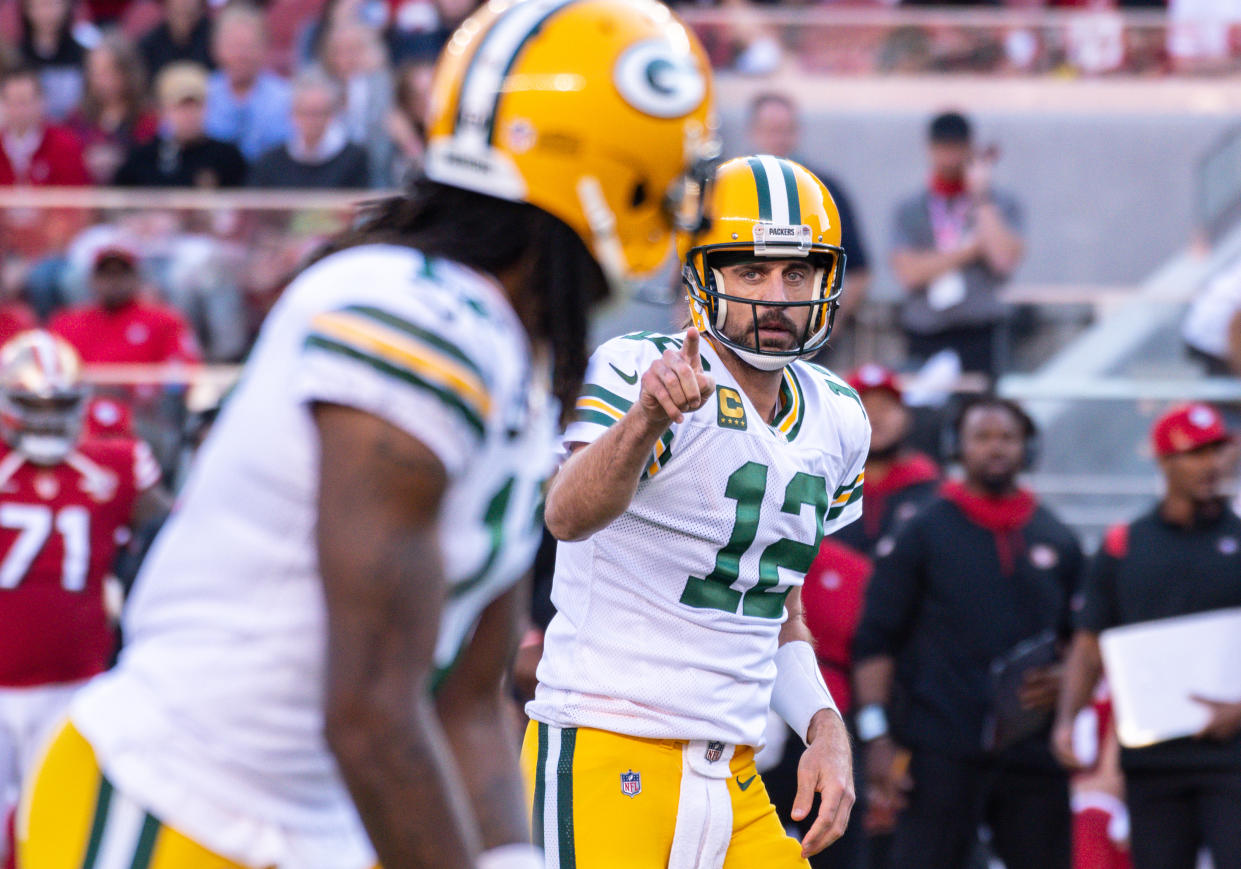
x: 982, y: 568
x: 120, y: 326
x: 1181, y: 557
x: 899, y: 479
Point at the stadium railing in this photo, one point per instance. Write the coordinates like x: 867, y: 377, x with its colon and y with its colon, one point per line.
x: 866, y: 40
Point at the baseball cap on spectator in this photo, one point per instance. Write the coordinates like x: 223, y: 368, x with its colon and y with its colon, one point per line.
x: 179, y: 82
x: 1187, y: 428
x: 115, y: 251
x: 950, y: 128
x: 873, y: 376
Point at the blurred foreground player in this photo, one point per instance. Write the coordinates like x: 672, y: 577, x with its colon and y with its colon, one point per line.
x: 705, y: 472
x: 65, y: 498
x: 318, y: 638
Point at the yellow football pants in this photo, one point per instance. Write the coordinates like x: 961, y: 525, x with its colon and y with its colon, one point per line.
x: 72, y: 818
x: 599, y: 825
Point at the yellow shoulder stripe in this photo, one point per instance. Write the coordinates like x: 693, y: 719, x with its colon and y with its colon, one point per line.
x: 400, y: 348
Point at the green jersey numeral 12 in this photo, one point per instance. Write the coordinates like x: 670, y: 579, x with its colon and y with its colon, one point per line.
x: 747, y: 485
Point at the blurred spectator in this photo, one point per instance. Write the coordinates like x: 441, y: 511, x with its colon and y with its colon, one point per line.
x: 183, y: 34
x: 120, y: 326
x: 52, y: 45
x: 422, y: 27
x: 15, y: 315
x: 899, y: 479
x: 353, y: 57
x: 319, y: 154
x: 954, y: 246
x: 1182, y: 557
x: 247, y: 104
x: 979, y: 571
x: 1212, y: 328
x: 114, y: 115
x: 405, y: 125
x: 34, y: 151
x: 182, y: 155
x: 310, y: 40
x: 775, y: 128
x: 1202, y: 34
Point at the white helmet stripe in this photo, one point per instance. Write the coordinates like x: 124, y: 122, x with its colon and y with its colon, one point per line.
x: 480, y: 87
x: 779, y: 193
x: 44, y: 346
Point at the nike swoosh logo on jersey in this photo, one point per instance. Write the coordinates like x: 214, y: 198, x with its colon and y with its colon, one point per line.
x: 631, y: 379
x: 746, y: 784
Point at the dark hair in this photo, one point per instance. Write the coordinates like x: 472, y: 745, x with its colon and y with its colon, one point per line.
x: 18, y: 73
x: 133, y: 73
x: 68, y: 51
x: 764, y: 97
x: 990, y: 401
x: 950, y: 128
x: 560, y: 279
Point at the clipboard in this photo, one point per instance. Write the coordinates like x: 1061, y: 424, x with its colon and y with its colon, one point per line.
x: 1153, y: 668
x: 1009, y: 722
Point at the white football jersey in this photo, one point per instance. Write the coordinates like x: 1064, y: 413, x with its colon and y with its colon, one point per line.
x: 213, y: 718
x: 668, y: 619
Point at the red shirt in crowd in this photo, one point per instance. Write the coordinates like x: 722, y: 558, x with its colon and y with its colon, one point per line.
x: 832, y: 595
x: 56, y: 162
x: 140, y: 332
x: 15, y: 318
x: 58, y: 540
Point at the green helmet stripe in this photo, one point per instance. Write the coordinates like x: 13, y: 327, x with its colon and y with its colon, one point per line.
x: 764, y: 190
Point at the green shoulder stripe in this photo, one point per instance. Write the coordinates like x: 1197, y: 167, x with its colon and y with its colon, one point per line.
x: 607, y: 396
x: 383, y: 366
x: 416, y: 331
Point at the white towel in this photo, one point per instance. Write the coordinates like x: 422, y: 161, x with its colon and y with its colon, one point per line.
x: 705, y: 811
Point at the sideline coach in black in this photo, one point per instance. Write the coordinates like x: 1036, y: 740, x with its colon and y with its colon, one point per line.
x: 981, y: 569
x: 1180, y: 558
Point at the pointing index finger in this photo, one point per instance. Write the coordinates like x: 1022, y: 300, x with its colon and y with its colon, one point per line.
x: 690, y: 349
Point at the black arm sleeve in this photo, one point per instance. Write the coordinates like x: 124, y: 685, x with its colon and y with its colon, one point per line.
x: 1098, y: 610
x: 893, y: 596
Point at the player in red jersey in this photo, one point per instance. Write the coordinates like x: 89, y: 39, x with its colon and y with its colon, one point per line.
x: 65, y: 501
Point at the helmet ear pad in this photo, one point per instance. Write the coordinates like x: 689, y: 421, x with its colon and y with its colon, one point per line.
x: 718, y: 307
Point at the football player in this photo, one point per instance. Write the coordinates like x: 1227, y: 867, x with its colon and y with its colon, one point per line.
x: 317, y: 640
x: 66, y: 501
x: 706, y: 468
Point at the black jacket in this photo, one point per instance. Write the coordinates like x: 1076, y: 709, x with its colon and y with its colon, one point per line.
x: 949, y: 599
x: 205, y: 162
x: 1151, y: 569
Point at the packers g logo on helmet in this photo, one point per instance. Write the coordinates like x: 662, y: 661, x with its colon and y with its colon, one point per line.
x: 596, y: 111
x: 758, y: 208
x: 659, y: 81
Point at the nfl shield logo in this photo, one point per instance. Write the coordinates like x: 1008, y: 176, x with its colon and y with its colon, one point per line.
x: 715, y: 750
x: 631, y: 783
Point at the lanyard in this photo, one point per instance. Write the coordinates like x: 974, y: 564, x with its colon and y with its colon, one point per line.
x: 949, y: 218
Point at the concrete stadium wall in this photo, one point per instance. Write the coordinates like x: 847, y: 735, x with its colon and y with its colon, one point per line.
x: 1109, y: 187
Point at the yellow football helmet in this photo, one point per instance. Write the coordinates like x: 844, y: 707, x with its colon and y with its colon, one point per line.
x: 760, y: 208
x: 42, y: 398
x: 596, y: 111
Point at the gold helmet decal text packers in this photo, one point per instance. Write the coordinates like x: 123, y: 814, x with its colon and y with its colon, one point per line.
x: 596, y: 111
x: 757, y: 208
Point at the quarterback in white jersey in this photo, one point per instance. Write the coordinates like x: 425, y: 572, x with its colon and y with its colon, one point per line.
x: 702, y: 481
x: 317, y: 644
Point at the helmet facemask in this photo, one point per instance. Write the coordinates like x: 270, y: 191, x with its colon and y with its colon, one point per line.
x: 710, y: 302
x: 44, y: 429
